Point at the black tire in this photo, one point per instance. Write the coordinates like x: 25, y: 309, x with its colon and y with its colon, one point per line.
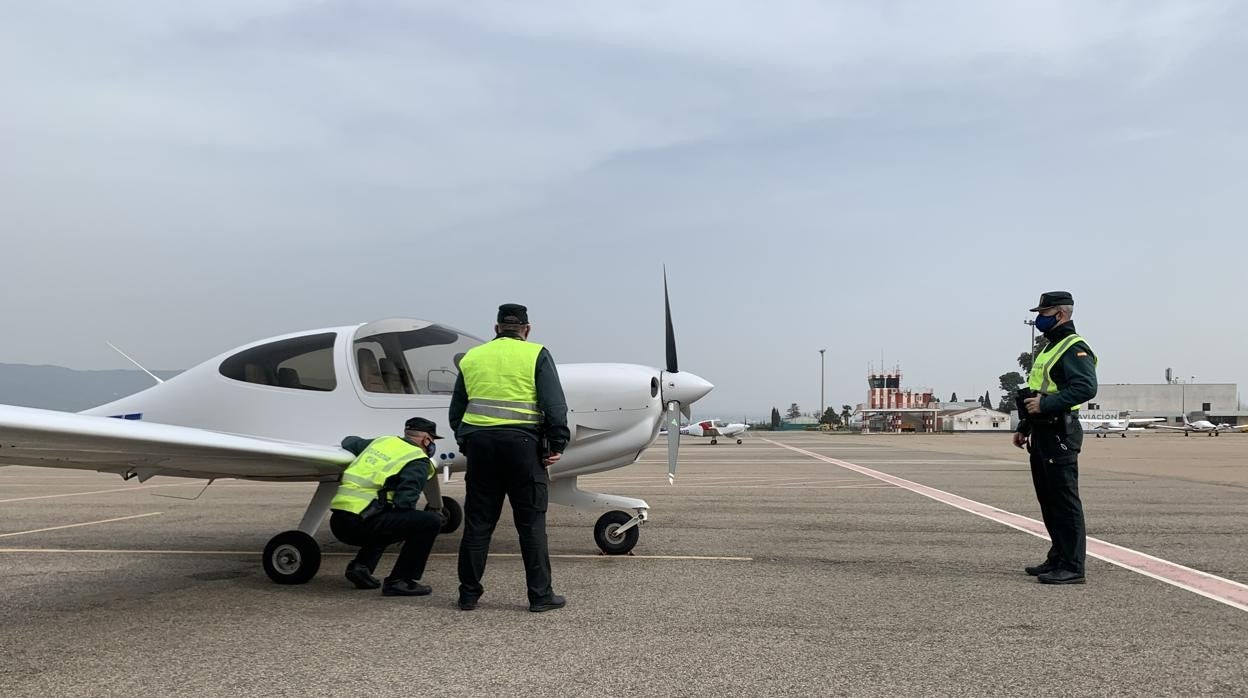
x: 738, y: 442
x: 292, y: 557
x: 454, y: 514
x: 608, y: 541
x: 713, y: 442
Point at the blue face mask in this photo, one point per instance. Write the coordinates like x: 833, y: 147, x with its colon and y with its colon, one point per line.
x: 1044, y: 323
x: 431, y: 449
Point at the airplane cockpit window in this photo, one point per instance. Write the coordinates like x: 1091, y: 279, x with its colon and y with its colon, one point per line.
x: 409, y: 357
x: 300, y: 363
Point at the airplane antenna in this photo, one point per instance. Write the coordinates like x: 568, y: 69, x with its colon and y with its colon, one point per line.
x: 136, y: 363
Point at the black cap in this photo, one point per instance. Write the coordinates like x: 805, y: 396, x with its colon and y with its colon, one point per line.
x: 422, y: 424
x: 1053, y: 298
x: 513, y: 314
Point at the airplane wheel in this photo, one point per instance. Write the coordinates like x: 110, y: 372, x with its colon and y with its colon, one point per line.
x: 713, y: 442
x: 608, y: 540
x: 454, y: 514
x: 292, y: 557
x: 738, y: 442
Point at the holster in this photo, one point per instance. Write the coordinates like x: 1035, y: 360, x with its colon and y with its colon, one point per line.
x: 375, y: 507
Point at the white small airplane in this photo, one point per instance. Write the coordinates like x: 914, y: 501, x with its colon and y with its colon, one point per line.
x: 275, y: 410
x: 1102, y: 428
x: 1202, y: 426
x: 715, y: 429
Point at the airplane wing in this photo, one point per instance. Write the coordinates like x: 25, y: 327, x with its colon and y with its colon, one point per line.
x: 52, y: 439
x: 1171, y: 428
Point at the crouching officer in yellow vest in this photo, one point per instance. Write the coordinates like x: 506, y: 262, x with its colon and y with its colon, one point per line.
x: 376, y: 507
x: 511, y: 421
x: 1062, y: 378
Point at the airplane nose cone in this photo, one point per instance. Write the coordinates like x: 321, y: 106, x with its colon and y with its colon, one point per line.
x: 685, y: 388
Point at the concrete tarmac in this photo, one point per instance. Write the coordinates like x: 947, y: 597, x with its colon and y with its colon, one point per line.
x: 849, y: 586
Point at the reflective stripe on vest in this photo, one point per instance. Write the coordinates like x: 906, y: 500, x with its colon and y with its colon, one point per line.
x: 1040, y: 378
x: 368, y: 473
x: 500, y: 379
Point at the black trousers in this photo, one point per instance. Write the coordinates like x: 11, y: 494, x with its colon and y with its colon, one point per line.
x: 1055, y: 475
x: 504, y: 463
x: 415, y: 529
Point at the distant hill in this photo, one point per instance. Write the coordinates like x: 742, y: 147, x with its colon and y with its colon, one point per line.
x: 59, y: 388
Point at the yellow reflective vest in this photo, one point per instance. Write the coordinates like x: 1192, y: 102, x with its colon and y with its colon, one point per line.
x: 500, y: 379
x: 367, y: 474
x: 1040, y: 379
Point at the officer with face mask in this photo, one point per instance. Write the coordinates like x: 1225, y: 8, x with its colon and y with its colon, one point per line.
x: 376, y: 507
x: 1062, y: 378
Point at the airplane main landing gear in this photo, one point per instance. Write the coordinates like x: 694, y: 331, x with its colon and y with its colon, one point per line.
x: 294, y: 557
x: 738, y: 442
x: 714, y: 441
x: 454, y: 514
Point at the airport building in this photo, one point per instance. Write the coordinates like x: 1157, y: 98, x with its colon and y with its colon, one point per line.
x: 891, y: 409
x: 963, y: 417
x: 1216, y: 402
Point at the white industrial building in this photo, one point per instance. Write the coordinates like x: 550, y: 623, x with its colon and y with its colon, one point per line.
x: 1174, y: 401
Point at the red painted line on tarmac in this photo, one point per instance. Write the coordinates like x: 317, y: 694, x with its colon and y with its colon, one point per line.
x: 1219, y: 589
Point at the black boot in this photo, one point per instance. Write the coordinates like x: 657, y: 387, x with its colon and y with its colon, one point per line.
x: 1042, y: 568
x: 405, y: 587
x: 556, y: 602
x: 1062, y: 576
x: 359, y: 575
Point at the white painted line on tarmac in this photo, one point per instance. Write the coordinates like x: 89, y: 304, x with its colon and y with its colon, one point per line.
x: 1210, y: 586
x: 76, y: 525
x: 136, y: 488
x: 251, y: 553
x: 981, y: 461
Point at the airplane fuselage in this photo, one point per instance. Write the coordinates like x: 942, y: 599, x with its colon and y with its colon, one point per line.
x: 614, y: 409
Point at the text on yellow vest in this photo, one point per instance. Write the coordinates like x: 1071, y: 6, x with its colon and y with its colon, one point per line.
x: 367, y: 474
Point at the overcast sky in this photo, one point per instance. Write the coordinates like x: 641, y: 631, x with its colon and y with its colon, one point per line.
x: 883, y: 179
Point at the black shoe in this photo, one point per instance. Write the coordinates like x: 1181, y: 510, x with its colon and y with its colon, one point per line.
x: 405, y: 587
x: 555, y: 603
x: 1062, y: 576
x: 1042, y: 568
x: 359, y: 575
x: 467, y: 604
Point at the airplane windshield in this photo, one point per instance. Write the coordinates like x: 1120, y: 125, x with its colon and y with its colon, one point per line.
x: 409, y: 357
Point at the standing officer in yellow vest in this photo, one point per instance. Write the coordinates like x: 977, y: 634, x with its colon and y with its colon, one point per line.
x: 510, y: 419
x: 1062, y: 378
x: 376, y: 507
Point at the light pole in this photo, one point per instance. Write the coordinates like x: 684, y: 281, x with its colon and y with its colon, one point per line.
x: 821, y: 407
x: 1032, y: 348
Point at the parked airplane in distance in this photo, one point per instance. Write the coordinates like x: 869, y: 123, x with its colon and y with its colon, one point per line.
x: 1202, y: 426
x: 1102, y: 428
x: 715, y: 428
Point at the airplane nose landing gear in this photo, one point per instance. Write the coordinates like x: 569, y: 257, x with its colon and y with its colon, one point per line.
x: 616, y: 532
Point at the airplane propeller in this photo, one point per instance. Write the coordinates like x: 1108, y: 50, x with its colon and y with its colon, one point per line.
x: 679, y: 389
